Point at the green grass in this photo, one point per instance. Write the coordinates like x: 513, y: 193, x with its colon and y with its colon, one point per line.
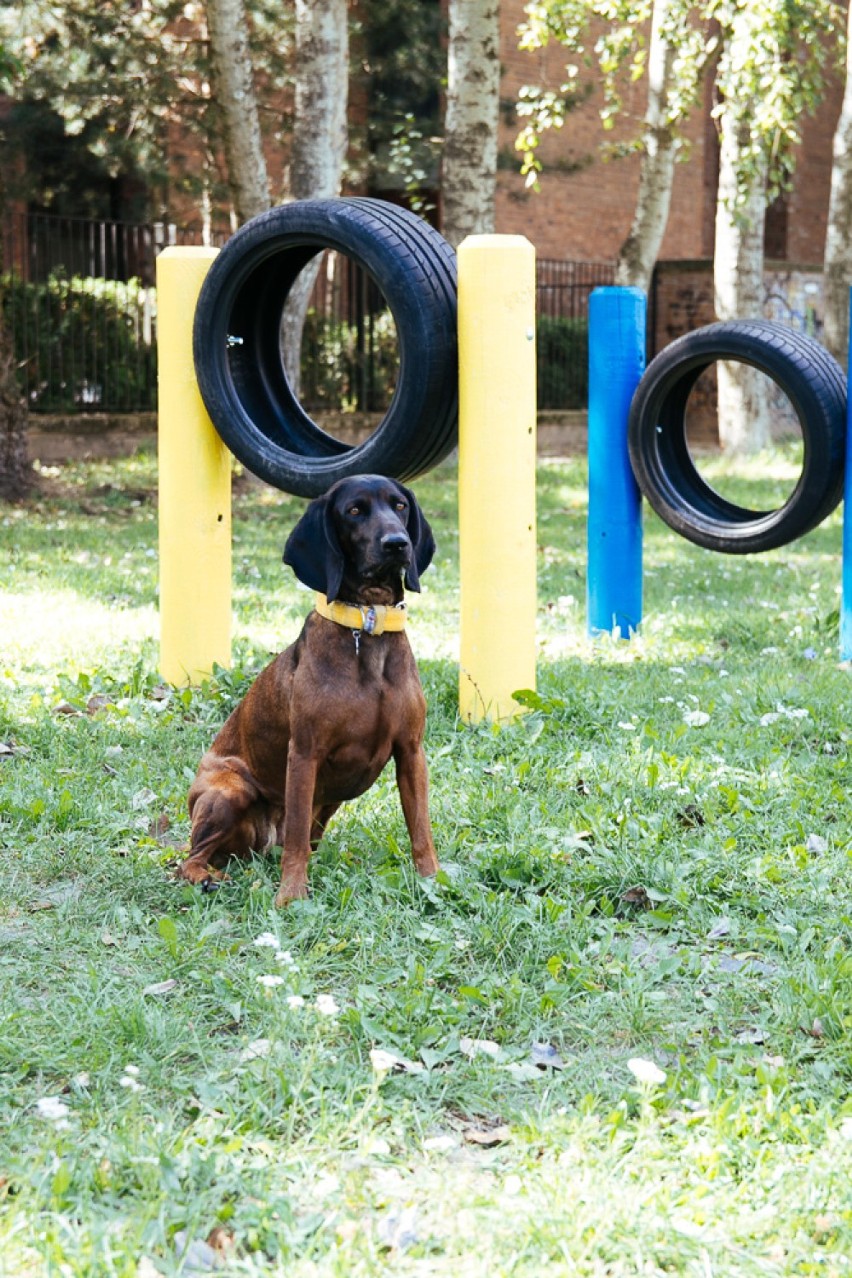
x: 618, y: 883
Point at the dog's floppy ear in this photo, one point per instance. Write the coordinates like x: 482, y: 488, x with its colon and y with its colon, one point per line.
x: 313, y: 550
x: 422, y: 541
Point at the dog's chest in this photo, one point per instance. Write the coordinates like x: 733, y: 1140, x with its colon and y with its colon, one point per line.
x: 384, y: 704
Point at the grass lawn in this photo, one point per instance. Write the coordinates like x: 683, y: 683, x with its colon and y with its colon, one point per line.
x: 613, y: 1037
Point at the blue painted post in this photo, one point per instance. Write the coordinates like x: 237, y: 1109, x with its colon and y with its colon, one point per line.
x: 846, y: 588
x: 616, y: 363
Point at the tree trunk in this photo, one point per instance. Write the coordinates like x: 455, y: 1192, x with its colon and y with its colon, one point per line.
x: 738, y: 288
x: 233, y: 91
x: 838, y: 238
x: 638, y: 253
x: 472, y: 115
x: 15, y: 472
x: 319, y: 140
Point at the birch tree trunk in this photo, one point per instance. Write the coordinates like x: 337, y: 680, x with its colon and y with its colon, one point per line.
x: 233, y: 90
x: 319, y: 140
x: 738, y: 286
x: 639, y: 252
x: 837, y: 268
x: 469, y: 168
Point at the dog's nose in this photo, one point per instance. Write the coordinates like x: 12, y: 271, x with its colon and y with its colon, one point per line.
x: 395, y: 541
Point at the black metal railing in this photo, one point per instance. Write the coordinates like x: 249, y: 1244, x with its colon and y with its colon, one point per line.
x: 80, y: 302
x: 79, y: 299
x: 562, y: 329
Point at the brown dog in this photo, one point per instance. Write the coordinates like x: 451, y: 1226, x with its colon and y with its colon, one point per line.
x: 319, y: 724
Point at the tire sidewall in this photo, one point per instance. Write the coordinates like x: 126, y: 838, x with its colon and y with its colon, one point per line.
x: 425, y: 327
x: 665, y: 471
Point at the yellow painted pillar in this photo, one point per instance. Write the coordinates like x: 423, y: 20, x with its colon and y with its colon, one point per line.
x: 195, y: 487
x: 497, y: 456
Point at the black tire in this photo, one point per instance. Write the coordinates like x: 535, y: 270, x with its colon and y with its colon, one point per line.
x: 244, y: 385
x: 815, y: 385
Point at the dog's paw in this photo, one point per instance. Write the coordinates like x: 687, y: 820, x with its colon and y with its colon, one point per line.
x: 291, y: 890
x: 426, y: 865
x: 194, y: 872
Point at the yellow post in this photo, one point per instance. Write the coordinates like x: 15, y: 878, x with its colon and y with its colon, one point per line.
x: 497, y: 455
x: 195, y: 487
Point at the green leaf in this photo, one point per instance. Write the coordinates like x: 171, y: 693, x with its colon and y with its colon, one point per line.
x: 168, y: 931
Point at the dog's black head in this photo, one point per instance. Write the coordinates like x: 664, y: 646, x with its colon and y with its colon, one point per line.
x: 365, y: 531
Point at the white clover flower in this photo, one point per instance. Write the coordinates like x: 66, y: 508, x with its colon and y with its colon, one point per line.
x: 696, y: 718
x: 131, y: 1084
x: 269, y: 981
x: 646, y: 1071
x: 627, y: 727
x: 326, y: 1005
x: 284, y: 956
x: 266, y: 941
x: 381, y: 1061
x: 295, y: 1001
x: 53, y: 1109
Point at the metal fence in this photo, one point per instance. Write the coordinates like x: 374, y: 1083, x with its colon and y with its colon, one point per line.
x: 562, y: 329
x: 79, y: 299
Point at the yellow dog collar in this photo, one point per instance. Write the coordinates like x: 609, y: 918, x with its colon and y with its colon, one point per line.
x: 373, y: 619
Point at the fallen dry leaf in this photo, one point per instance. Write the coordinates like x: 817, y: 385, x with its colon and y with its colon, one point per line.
x: 220, y: 1240
x: 161, y: 987
x: 386, y: 1062
x: 397, y: 1230
x: 545, y: 1056
x: 637, y: 896
x: 65, y: 707
x: 142, y: 798
x: 99, y: 701
x: 487, y: 1136
x: 754, y: 1035
x: 196, y: 1255
x: 159, y: 826
x: 479, y: 1047
x: 691, y: 816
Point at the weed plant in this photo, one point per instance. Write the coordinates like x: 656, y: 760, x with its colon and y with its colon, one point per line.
x: 611, y: 1038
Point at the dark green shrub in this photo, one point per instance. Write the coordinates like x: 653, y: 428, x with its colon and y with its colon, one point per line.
x: 349, y: 366
x: 563, y: 362
x: 83, y: 344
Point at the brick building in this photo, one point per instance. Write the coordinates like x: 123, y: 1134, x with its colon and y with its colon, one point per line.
x: 586, y: 204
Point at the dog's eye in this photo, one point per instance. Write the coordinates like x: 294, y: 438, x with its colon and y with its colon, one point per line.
x: 401, y: 505
x: 354, y: 510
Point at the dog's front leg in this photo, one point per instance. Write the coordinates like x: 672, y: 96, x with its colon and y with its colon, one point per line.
x: 412, y: 779
x: 298, y: 821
